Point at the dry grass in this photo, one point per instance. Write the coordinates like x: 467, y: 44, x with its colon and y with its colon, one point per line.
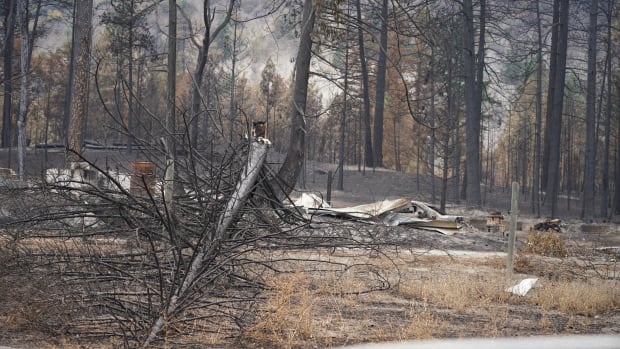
x: 288, y: 315
x: 423, y: 323
x: 455, y: 290
x: 578, y: 297
x: 437, y: 296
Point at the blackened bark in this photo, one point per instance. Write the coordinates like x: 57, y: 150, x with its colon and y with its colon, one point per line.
x: 232, y: 112
x: 368, y: 153
x: 473, y: 100
x: 345, y: 109
x: 291, y: 168
x: 9, y: 33
x: 79, y: 101
x: 130, y: 112
x: 553, y: 58
x: 606, y: 151
x: 553, y: 166
x: 587, y: 212
x: 23, y: 98
x: 380, y: 89
x: 617, y: 171
x: 447, y: 135
x: 171, y: 76
x: 71, y: 77
x: 537, y: 147
x: 431, y: 157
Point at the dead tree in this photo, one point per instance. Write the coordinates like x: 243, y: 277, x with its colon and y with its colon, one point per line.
x: 291, y: 168
x: 23, y: 99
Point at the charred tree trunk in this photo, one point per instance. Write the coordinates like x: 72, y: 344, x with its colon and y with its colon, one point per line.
x: 474, y: 69
x: 554, y: 135
x: 233, y: 76
x: 25, y: 58
x: 380, y: 88
x: 537, y: 146
x: 170, y: 120
x: 291, y: 168
x: 130, y: 95
x: 23, y: 98
x: 368, y: 152
x: 457, y: 160
x: 606, y: 151
x: 616, y: 205
x: 431, y: 155
x: 345, y: 109
x: 448, y: 133
x: 587, y: 212
x: 553, y: 58
x: 79, y: 100
x: 69, y: 94
x: 9, y: 35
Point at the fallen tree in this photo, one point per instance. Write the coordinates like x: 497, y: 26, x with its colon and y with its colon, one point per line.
x: 132, y: 267
x: 210, y: 243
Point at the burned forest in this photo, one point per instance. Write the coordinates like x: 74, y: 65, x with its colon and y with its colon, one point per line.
x: 309, y: 174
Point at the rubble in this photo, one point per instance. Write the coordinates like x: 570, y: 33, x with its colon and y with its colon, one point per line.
x: 548, y: 225
x: 82, y: 176
x: 310, y: 200
x: 400, y: 211
x: 10, y: 180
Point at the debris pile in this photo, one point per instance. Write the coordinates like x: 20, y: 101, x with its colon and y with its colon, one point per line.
x: 401, y: 211
x: 10, y: 180
x: 549, y: 225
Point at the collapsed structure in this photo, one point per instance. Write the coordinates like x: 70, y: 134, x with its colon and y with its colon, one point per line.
x: 390, y: 212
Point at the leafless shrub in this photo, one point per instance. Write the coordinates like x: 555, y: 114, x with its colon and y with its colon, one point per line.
x: 31, y: 300
x: 135, y: 268
x: 547, y: 243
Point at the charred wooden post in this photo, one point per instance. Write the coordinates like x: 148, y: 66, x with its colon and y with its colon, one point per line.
x: 259, y: 129
x: 330, y: 176
x: 514, y: 211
